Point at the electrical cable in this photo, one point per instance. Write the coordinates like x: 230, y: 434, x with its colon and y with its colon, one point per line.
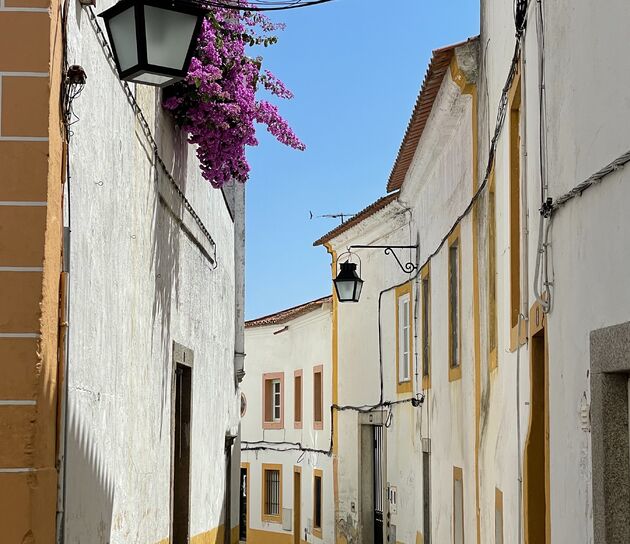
x: 594, y: 179
x: 260, y: 6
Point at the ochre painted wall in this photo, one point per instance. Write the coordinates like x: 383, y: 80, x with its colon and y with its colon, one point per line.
x: 255, y: 536
x: 30, y: 264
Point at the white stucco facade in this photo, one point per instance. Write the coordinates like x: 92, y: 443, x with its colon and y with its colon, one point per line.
x: 143, y: 279
x: 586, y: 127
x: 285, y: 344
x: 436, y: 191
x: 527, y: 425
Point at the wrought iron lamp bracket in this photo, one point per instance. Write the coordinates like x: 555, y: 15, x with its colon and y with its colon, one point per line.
x: 407, y: 267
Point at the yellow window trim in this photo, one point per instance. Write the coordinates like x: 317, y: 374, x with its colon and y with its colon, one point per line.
x: 493, y: 323
x: 498, y: 507
x: 406, y: 386
x: 268, y: 517
x: 317, y: 531
x: 454, y: 373
x: 425, y: 275
x: 458, y: 476
x: 514, y: 100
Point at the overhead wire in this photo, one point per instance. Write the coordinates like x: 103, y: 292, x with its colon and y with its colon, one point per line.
x: 260, y: 6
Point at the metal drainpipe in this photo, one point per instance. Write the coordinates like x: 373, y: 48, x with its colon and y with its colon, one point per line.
x: 524, y: 278
x: 61, y: 456
x: 239, y: 282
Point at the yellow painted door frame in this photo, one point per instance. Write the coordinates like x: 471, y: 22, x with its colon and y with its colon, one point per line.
x: 536, y: 459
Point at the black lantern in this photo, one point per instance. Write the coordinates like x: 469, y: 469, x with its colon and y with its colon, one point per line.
x: 348, y: 284
x: 152, y: 40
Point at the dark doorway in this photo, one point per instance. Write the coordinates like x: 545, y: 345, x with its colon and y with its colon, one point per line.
x: 297, y: 506
x: 426, y: 496
x: 536, y: 462
x: 242, y: 527
x: 181, y: 454
x: 378, y: 484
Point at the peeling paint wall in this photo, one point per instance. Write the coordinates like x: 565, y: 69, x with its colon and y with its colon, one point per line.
x: 140, y: 279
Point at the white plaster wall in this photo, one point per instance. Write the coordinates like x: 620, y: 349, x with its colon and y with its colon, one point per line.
x: 436, y: 191
x: 138, y: 282
x: 587, y: 127
x: 305, y: 344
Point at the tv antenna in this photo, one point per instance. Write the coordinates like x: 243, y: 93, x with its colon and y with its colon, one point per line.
x: 342, y: 216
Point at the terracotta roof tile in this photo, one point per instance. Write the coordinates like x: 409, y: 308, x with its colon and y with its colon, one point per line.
x: 439, y: 64
x: 290, y: 313
x: 355, y: 219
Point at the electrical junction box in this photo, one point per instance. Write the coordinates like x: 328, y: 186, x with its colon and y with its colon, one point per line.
x: 287, y: 519
x: 393, y: 499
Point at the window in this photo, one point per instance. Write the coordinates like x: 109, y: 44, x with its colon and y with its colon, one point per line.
x: 273, y: 400
x: 458, y: 506
x: 426, y: 327
x: 318, y: 398
x: 515, y: 214
x: 492, y: 276
x: 272, y: 493
x: 297, y: 399
x: 454, y: 307
x: 317, y: 502
x: 403, y: 339
x: 498, y: 517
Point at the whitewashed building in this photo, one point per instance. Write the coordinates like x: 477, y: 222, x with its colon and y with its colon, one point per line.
x: 514, y: 317
x: 153, y: 258
x: 409, y: 338
x: 565, y: 138
x: 286, y: 465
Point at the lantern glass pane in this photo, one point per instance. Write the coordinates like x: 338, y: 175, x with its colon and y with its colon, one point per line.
x: 345, y: 290
x: 358, y: 290
x: 123, y: 31
x: 169, y: 34
x: 148, y: 78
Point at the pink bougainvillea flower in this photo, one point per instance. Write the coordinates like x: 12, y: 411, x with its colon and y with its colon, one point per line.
x: 216, y: 104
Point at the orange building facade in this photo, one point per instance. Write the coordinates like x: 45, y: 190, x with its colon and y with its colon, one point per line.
x: 31, y: 187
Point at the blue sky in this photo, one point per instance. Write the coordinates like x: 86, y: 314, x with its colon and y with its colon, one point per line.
x: 355, y: 67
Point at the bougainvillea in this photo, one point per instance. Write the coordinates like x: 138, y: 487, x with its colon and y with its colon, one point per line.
x: 216, y: 103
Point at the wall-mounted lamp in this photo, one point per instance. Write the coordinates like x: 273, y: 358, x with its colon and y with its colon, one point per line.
x: 348, y: 283
x: 152, y: 40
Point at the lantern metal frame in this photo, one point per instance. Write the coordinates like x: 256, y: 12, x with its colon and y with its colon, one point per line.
x: 143, y: 66
x: 407, y: 267
x: 338, y: 264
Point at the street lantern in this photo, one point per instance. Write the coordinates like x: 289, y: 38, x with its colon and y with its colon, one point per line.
x: 152, y: 40
x: 348, y: 284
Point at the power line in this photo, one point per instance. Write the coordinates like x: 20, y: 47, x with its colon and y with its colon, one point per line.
x: 261, y: 5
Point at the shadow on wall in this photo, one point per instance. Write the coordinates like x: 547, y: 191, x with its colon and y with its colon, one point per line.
x: 89, y: 489
x: 165, y: 246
